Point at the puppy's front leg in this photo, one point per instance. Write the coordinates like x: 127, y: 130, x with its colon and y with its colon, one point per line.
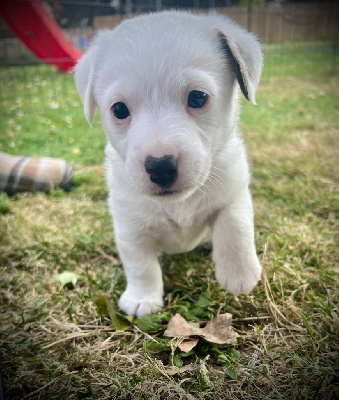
x: 144, y: 292
x: 237, y: 266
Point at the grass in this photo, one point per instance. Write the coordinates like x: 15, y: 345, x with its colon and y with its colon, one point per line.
x: 57, y: 341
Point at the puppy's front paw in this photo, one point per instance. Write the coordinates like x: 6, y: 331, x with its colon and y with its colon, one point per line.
x: 133, y: 303
x: 239, y: 279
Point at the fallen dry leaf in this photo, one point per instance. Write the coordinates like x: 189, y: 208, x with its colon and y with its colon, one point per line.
x: 219, y: 331
x: 187, y: 345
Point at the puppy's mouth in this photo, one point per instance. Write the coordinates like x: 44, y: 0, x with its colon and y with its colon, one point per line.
x: 171, y: 195
x: 166, y: 193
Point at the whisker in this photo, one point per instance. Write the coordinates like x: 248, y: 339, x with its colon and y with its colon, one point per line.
x: 231, y: 158
x: 219, y: 179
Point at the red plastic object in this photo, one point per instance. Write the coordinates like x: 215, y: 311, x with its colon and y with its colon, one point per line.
x: 38, y: 30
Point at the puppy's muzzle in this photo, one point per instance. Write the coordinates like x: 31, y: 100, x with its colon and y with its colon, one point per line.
x: 162, y: 171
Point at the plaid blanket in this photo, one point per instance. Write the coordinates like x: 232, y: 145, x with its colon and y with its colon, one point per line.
x: 21, y: 174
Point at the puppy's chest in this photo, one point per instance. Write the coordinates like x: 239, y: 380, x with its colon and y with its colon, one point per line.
x: 175, y: 233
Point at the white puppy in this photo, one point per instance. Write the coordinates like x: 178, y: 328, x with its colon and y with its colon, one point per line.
x: 166, y: 85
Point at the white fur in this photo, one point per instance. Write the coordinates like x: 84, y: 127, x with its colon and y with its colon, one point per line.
x: 151, y: 63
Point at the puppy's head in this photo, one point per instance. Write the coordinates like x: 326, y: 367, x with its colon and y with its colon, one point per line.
x: 166, y: 88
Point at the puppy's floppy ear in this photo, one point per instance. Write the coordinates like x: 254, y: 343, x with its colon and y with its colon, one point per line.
x: 84, y: 79
x: 243, y: 52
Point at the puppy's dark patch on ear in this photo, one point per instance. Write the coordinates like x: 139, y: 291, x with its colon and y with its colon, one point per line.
x: 235, y: 62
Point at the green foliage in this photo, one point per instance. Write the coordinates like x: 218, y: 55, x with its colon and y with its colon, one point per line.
x: 4, y: 204
x: 194, y: 310
x: 153, y: 322
x: 226, y: 359
x: 85, y: 395
x: 106, y: 307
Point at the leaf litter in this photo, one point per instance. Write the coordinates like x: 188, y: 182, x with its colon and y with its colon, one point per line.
x: 217, y: 331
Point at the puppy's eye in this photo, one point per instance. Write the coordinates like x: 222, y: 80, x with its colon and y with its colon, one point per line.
x: 120, y: 110
x: 197, y: 99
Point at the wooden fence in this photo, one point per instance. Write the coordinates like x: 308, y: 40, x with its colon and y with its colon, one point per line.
x: 273, y: 23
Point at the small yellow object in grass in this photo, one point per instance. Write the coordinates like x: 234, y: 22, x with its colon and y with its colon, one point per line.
x: 67, y: 279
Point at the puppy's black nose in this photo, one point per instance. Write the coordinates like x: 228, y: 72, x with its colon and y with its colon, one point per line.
x: 162, y: 171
